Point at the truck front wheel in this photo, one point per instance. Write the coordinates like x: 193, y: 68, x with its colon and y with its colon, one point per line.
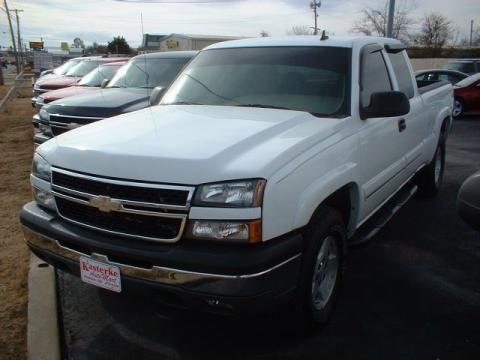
x: 322, y: 267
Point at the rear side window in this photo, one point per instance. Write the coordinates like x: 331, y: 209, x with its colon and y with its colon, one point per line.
x: 402, y: 72
x: 374, y: 76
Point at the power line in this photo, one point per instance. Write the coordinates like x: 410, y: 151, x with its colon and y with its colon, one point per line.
x: 179, y: 2
x: 248, y: 19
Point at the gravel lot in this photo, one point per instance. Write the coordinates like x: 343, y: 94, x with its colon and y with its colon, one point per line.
x: 16, y: 151
x: 411, y: 293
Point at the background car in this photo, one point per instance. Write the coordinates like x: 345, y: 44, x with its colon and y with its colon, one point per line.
x: 90, y: 82
x: 468, y: 201
x: 72, y: 76
x: 429, y: 76
x: 467, y: 95
x: 467, y: 66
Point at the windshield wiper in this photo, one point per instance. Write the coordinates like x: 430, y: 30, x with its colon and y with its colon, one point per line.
x: 263, y: 106
x: 182, y: 103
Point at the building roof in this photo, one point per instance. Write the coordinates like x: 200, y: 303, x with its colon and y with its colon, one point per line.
x: 202, y: 37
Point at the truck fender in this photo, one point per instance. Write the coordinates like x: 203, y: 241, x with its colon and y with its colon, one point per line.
x: 319, y: 190
x: 445, y: 114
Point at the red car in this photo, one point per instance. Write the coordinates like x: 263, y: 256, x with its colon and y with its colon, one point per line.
x: 467, y: 95
x: 90, y: 82
x: 71, y: 77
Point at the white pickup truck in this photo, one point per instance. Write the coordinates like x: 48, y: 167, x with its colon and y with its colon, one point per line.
x: 243, y: 188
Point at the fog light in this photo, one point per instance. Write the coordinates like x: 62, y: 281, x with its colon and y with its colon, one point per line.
x: 247, y: 232
x: 44, y: 199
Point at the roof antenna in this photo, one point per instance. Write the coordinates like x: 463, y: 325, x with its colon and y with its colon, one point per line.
x: 324, y: 36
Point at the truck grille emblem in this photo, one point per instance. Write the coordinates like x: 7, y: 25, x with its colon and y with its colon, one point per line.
x: 105, y: 203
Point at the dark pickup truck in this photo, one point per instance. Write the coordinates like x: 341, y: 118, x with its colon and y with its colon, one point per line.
x: 129, y: 90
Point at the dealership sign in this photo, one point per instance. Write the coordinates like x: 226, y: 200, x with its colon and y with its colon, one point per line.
x: 36, y: 45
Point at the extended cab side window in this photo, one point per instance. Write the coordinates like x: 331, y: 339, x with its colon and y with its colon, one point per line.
x: 373, y: 74
x: 402, y: 72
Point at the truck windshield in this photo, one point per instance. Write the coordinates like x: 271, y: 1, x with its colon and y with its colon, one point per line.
x: 82, y: 68
x: 96, y: 76
x: 148, y: 73
x: 311, y: 79
x: 63, y: 69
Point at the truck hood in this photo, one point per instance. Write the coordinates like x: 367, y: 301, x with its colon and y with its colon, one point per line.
x: 57, y: 82
x: 104, y: 103
x: 189, y: 144
x: 66, y: 92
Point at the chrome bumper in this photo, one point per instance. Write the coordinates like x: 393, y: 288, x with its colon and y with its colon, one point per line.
x: 216, y: 284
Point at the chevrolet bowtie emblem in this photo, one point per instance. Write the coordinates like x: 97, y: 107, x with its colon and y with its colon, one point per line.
x: 105, y: 203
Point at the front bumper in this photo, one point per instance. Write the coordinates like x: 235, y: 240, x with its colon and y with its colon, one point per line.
x: 216, y: 277
x: 40, y: 138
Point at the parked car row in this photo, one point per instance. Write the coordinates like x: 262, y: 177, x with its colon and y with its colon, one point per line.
x: 69, y: 74
x: 242, y: 190
x: 133, y: 87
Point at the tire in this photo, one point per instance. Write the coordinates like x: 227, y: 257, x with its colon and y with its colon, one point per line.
x: 430, y: 178
x: 458, y: 108
x: 322, y: 268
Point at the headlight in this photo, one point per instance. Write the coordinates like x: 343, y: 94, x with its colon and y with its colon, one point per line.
x: 44, y: 198
x: 234, y: 231
x: 44, y: 115
x: 41, y: 168
x: 45, y: 129
x: 242, y: 193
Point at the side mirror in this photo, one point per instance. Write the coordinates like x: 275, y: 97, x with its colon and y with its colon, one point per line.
x: 156, y: 95
x: 386, y: 104
x: 104, y: 83
x: 468, y: 201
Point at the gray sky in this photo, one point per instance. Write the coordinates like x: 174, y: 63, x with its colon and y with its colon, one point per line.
x: 100, y: 20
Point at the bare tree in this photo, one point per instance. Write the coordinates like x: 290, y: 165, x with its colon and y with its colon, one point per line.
x: 436, y: 31
x: 264, y: 33
x: 78, y: 43
x: 300, y: 30
x: 374, y: 20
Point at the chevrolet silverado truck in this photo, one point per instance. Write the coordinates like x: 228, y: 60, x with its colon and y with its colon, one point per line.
x: 242, y: 190
x: 130, y: 89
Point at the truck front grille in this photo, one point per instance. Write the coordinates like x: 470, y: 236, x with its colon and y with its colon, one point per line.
x: 63, y: 123
x: 120, y: 191
x: 120, y: 222
x: 141, y: 210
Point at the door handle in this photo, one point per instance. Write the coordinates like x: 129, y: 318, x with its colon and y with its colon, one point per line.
x: 402, y: 125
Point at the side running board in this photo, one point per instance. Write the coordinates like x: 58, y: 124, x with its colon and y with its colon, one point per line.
x: 368, y: 230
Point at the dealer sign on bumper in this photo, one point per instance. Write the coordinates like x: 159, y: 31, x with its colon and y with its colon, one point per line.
x: 100, y: 274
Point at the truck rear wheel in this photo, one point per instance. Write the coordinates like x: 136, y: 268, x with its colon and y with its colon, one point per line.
x: 430, y: 178
x: 458, y: 108
x: 322, y: 268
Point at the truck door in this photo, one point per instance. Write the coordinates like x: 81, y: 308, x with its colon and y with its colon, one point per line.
x: 383, y: 157
x: 415, y: 123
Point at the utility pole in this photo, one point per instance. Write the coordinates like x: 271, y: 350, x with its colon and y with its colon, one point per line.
x: 20, y: 52
x: 471, y: 33
x: 391, y: 15
x: 13, y: 36
x: 314, y: 5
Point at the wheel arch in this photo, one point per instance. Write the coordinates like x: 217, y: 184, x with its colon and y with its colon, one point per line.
x: 345, y: 199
